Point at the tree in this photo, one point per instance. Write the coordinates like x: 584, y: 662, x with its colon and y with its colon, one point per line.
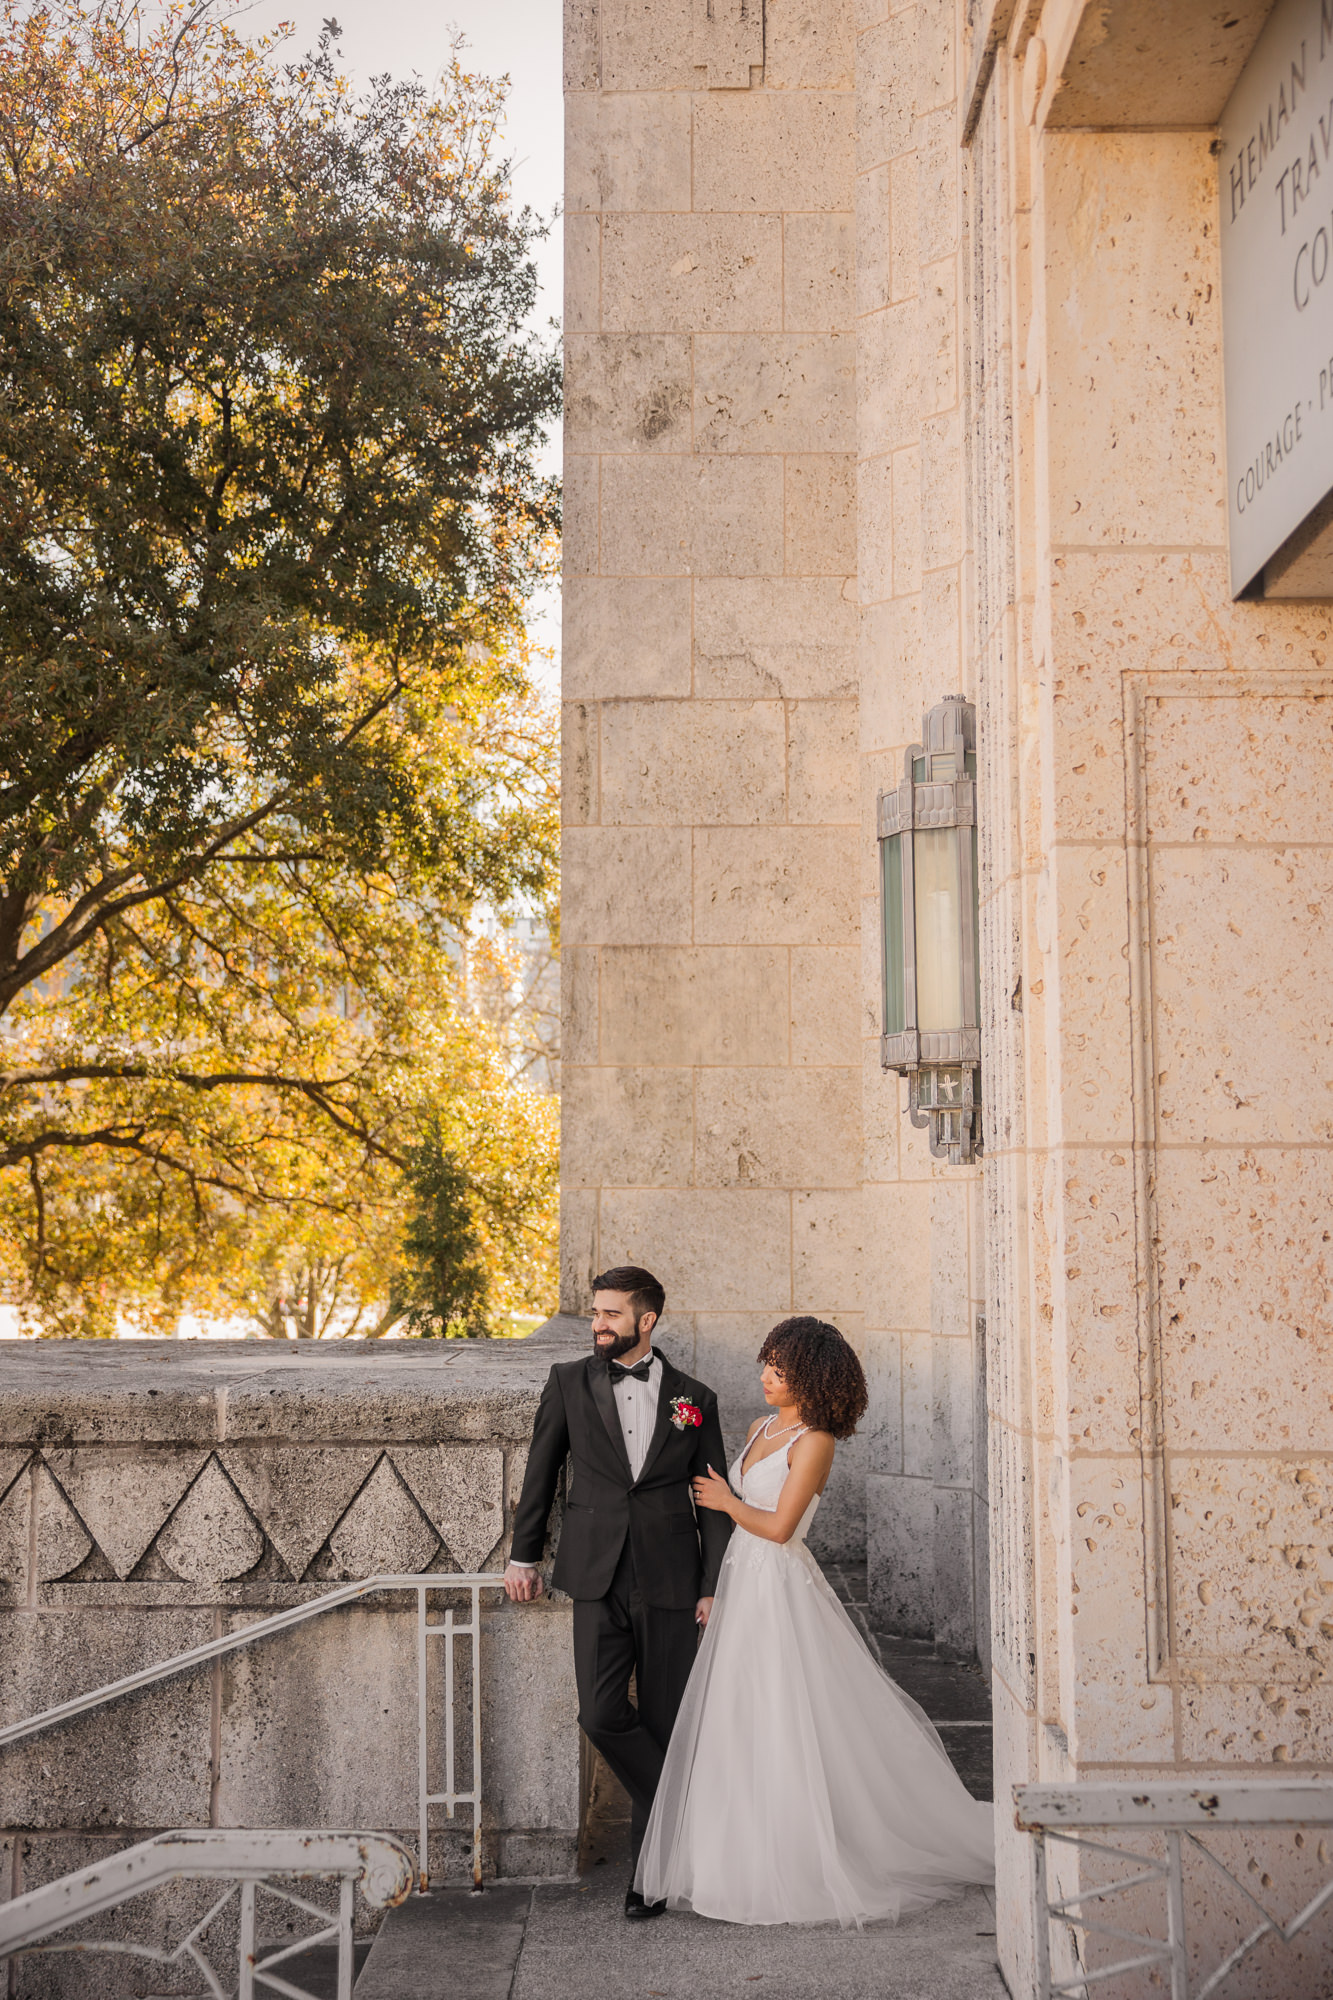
x: 444, y: 1285
x: 269, y: 510
x: 479, y: 1191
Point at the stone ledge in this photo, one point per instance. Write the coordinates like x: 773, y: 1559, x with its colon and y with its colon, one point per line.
x: 234, y: 1473
x: 226, y: 1391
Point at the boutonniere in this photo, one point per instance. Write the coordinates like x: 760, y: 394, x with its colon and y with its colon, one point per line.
x: 684, y: 1414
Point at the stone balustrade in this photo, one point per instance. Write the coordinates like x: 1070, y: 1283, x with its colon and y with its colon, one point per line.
x: 157, y: 1494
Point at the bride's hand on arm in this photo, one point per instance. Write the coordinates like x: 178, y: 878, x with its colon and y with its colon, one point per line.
x: 712, y: 1491
x: 811, y: 1460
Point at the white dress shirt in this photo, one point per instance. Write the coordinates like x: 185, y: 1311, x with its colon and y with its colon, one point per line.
x: 636, y: 1406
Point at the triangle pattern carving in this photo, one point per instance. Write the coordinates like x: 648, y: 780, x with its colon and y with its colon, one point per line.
x: 298, y: 1496
x: 123, y: 1497
x: 383, y: 1529
x: 461, y: 1490
x: 12, y: 1462
x: 62, y: 1540
x: 212, y: 1536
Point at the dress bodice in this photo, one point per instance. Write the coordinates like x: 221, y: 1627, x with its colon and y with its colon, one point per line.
x: 760, y: 1485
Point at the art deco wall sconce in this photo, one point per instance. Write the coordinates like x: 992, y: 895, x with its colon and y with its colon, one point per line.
x: 929, y: 931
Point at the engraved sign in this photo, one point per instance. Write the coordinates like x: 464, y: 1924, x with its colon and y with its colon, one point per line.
x: 729, y: 39
x: 1276, y: 187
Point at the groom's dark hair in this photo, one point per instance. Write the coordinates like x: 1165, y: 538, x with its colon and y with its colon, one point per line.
x: 645, y: 1293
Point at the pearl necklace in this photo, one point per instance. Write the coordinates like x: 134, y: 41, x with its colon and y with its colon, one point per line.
x: 769, y: 1432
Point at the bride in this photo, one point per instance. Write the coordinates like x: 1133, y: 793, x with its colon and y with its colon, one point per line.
x: 801, y: 1784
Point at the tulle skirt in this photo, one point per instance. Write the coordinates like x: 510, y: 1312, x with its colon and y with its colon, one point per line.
x: 801, y: 1784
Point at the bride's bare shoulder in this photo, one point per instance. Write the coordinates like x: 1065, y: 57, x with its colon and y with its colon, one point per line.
x: 757, y: 1425
x: 814, y: 1446
x: 813, y: 1452
x: 813, y: 1449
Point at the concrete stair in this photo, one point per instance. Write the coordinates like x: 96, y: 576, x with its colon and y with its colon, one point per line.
x: 450, y: 1945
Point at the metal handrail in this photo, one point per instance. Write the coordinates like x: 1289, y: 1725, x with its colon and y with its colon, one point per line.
x: 283, y: 1621
x: 1070, y: 1813
x: 245, y: 1860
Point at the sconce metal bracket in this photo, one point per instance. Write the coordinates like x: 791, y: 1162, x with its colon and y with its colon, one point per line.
x: 948, y: 1101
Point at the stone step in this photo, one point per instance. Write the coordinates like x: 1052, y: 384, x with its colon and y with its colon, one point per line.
x: 569, y: 1940
x: 449, y: 1945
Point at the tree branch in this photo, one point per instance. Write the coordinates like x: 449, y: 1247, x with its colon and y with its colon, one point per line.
x: 314, y: 1089
x: 102, y: 903
x: 131, y: 1140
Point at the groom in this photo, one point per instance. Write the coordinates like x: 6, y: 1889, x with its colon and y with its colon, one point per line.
x: 639, y: 1565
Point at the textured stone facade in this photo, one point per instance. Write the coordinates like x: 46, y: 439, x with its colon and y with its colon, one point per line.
x: 159, y: 1494
x: 1098, y: 1357
x: 762, y: 367
x: 712, y: 1047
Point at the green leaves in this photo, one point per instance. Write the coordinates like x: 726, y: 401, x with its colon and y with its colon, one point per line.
x: 444, y: 1284
x: 268, y: 515
x: 265, y: 400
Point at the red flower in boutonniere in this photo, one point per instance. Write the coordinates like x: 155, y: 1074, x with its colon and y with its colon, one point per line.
x: 684, y: 1415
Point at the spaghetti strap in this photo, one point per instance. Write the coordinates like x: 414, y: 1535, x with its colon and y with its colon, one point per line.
x: 796, y: 1440
x: 750, y: 1444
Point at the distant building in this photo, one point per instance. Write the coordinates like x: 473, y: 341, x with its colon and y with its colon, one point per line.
x: 514, y: 983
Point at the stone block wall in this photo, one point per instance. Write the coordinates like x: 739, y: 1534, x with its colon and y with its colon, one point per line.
x: 712, y: 1042
x: 924, y: 1265
x: 155, y: 1495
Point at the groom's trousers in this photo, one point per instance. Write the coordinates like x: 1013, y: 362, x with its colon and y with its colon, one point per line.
x: 616, y: 1636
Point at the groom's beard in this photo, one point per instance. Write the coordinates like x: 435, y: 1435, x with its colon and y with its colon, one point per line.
x: 611, y: 1350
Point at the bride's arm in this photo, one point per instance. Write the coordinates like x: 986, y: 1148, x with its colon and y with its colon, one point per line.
x: 811, y: 1458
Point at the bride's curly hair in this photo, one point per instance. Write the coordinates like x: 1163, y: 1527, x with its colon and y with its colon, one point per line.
x: 823, y: 1376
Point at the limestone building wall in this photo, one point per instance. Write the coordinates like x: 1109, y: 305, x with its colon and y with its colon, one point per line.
x: 712, y: 1117
x: 1156, y: 928
x: 1100, y: 1442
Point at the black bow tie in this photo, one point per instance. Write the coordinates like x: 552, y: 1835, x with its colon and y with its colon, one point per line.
x: 619, y: 1373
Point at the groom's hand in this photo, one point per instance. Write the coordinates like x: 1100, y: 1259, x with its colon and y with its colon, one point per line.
x: 522, y: 1583
x: 703, y: 1611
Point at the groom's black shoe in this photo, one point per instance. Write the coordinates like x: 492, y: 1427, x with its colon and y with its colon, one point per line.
x: 637, y: 1910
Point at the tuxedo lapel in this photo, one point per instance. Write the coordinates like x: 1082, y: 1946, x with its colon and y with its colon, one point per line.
x: 670, y: 1386
x: 599, y: 1382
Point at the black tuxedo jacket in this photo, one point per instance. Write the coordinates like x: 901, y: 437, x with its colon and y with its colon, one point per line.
x: 677, y: 1555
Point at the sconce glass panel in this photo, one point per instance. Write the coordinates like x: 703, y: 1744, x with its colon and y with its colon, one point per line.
x: 891, y: 881
x: 939, y: 948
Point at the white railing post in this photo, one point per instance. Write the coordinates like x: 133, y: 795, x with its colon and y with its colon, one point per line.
x: 346, y: 1937
x: 1175, y: 1919
x: 450, y: 1774
x: 245, y: 1986
x: 423, y: 1788
x: 1041, y: 1917
x: 476, y: 1738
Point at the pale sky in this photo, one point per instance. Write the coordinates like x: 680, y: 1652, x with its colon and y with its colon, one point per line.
x: 517, y: 38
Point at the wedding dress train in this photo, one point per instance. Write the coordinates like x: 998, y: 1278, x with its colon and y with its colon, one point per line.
x: 801, y: 1784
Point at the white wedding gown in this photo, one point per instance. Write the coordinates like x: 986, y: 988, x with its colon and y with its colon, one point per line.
x: 801, y: 1785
